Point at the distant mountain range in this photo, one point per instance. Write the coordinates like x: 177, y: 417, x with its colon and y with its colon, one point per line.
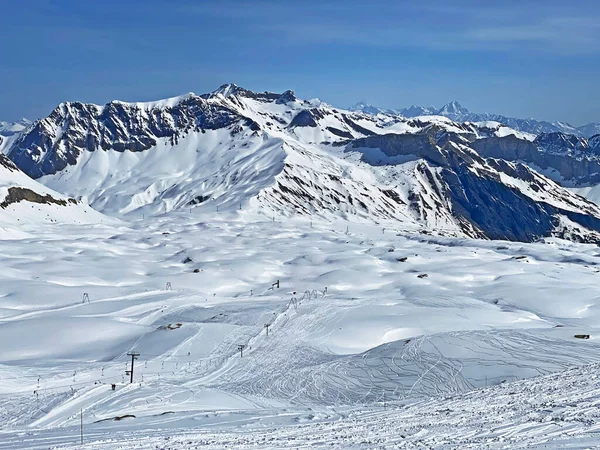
x: 11, y: 128
x: 459, y: 113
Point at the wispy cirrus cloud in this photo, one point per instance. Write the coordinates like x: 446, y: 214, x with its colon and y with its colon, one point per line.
x: 432, y: 24
x: 575, y: 34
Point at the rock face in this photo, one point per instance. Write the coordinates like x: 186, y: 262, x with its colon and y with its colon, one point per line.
x: 72, y: 128
x: 484, y: 193
x: 568, y: 159
x: 19, y: 194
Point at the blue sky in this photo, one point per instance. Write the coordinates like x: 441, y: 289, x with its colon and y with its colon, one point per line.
x: 520, y: 58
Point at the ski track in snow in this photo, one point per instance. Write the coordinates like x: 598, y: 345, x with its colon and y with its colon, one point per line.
x: 488, y: 314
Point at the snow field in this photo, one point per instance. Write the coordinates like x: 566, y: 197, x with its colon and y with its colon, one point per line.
x: 487, y: 313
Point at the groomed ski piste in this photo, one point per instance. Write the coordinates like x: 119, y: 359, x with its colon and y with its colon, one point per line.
x: 379, y: 336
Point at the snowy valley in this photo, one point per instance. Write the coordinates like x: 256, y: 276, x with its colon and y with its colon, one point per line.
x: 295, y: 275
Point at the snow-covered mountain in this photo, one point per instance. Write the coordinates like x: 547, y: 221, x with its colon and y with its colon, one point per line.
x: 10, y: 128
x: 459, y: 113
x: 367, y: 108
x: 10, y: 131
x: 591, y: 129
x: 275, y: 154
x: 406, y: 332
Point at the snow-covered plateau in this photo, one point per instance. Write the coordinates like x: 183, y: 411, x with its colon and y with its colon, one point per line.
x: 291, y: 275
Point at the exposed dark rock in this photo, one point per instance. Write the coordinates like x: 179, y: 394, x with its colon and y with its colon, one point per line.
x: 576, y: 160
x: 20, y: 194
x: 481, y: 202
x: 306, y: 118
x: 7, y: 163
x: 340, y: 133
x: 356, y: 127
x: 233, y: 90
x: 286, y: 97
x: 198, y: 199
x: 55, y: 142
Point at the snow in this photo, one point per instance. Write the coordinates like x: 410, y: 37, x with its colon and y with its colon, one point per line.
x: 360, y: 324
x: 590, y: 192
x: 15, y: 216
x: 170, y: 176
x: 381, y: 334
x: 10, y: 128
x: 538, y: 413
x: 150, y: 105
x: 502, y: 130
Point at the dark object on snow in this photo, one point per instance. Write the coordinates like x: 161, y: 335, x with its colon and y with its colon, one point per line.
x: 198, y: 199
x: 196, y: 270
x: 187, y: 260
x: 423, y: 275
x: 403, y: 259
x: 582, y: 336
x: 113, y: 386
x: 126, y: 416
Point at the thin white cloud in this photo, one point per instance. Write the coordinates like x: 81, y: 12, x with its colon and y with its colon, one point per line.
x: 429, y: 24
x: 575, y: 34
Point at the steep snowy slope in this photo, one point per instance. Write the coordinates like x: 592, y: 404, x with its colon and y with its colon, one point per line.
x: 24, y: 201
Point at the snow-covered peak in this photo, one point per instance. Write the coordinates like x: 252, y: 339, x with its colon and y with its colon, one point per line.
x: 227, y: 89
x: 367, y: 108
x: 10, y: 128
x: 170, y: 102
x: 416, y: 111
x: 164, y: 103
x: 589, y: 130
x: 359, y: 106
x: 452, y: 108
x: 232, y: 90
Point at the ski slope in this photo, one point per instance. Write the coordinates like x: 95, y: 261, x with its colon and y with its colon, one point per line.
x: 365, y: 314
x: 554, y: 411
